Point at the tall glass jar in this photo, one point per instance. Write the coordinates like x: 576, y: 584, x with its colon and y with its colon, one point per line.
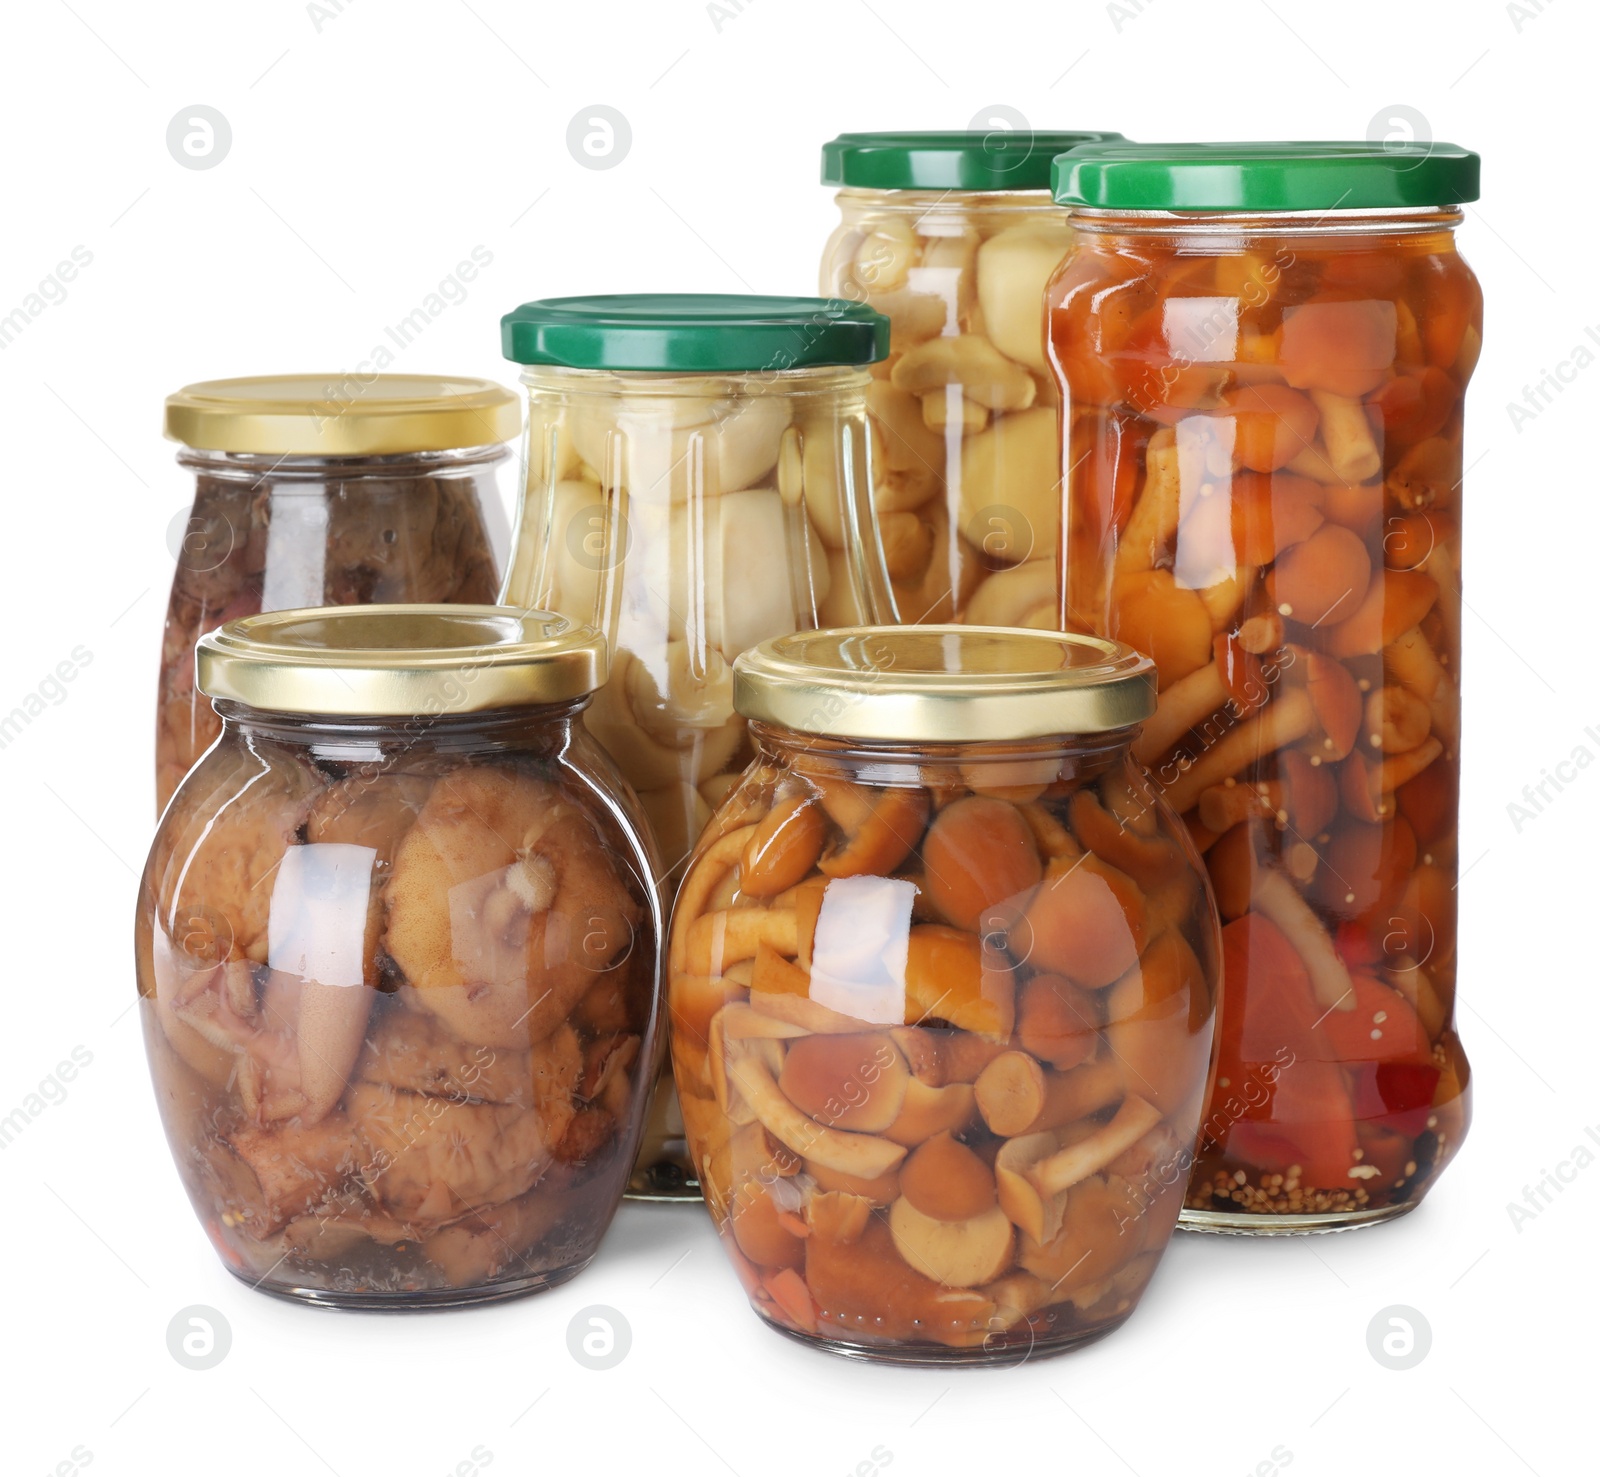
x: 310, y: 490
x: 697, y: 469
x: 942, y: 982
x: 1264, y: 350
x: 398, y: 950
x: 953, y: 236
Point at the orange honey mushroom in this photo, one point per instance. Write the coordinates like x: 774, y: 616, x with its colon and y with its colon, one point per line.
x: 978, y: 852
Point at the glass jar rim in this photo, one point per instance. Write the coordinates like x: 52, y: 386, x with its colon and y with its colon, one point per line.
x: 943, y: 684
x: 390, y: 661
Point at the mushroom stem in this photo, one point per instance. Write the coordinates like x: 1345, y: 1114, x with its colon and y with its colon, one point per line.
x: 1016, y: 1095
x: 1223, y: 597
x: 1261, y: 633
x: 1065, y: 1168
x: 1155, y: 515
x: 1178, y: 709
x: 1347, y: 436
x: 1411, y: 661
x: 717, y: 940
x: 1291, y: 717
x: 1227, y: 804
x: 1277, y: 901
x: 848, y: 1153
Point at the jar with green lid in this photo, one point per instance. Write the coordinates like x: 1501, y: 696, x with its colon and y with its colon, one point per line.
x: 697, y: 479
x: 953, y: 235
x: 1264, y: 350
x: 942, y: 982
x: 397, y: 947
x: 317, y: 490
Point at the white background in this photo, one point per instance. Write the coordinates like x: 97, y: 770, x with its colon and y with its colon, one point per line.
x: 372, y: 150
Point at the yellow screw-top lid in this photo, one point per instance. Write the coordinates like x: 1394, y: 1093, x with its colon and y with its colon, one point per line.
x: 400, y: 660
x: 342, y: 415
x: 943, y: 684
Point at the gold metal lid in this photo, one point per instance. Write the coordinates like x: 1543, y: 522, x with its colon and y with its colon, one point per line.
x: 400, y: 660
x: 943, y: 684
x: 343, y: 415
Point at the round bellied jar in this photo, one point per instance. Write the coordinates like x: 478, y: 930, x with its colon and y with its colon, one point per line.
x: 397, y: 948
x: 942, y: 981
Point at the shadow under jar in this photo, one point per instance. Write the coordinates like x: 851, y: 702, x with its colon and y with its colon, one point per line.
x: 310, y: 491
x: 953, y: 235
x: 1264, y: 350
x: 697, y: 482
x: 941, y: 985
x: 397, y: 948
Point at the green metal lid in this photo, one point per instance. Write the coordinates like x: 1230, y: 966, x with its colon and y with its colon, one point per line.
x: 954, y: 159
x: 705, y: 333
x: 1265, y: 176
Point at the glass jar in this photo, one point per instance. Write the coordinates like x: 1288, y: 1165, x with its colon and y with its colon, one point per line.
x: 398, y: 949
x: 696, y: 469
x: 1264, y: 350
x: 954, y: 236
x: 311, y: 491
x: 941, y: 985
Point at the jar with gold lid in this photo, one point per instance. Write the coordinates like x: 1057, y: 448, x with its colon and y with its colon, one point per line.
x: 397, y: 946
x: 317, y: 490
x: 942, y: 982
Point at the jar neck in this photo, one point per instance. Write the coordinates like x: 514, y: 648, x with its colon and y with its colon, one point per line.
x: 547, y: 725
x: 1213, y: 230
x: 800, y: 750
x: 648, y: 387
x: 957, y: 207
x: 253, y: 467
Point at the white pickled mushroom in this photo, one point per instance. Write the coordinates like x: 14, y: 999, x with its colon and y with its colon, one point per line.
x: 677, y: 815
x: 841, y: 606
x: 697, y: 693
x: 914, y: 315
x: 582, y: 543
x: 1014, y: 267
x: 947, y: 272
x: 665, y: 448
x: 552, y: 452
x: 908, y: 444
x: 745, y: 592
x: 1014, y: 466
x: 883, y: 256
x: 1024, y: 595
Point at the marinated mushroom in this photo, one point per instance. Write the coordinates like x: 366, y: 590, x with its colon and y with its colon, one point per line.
x: 1292, y: 495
